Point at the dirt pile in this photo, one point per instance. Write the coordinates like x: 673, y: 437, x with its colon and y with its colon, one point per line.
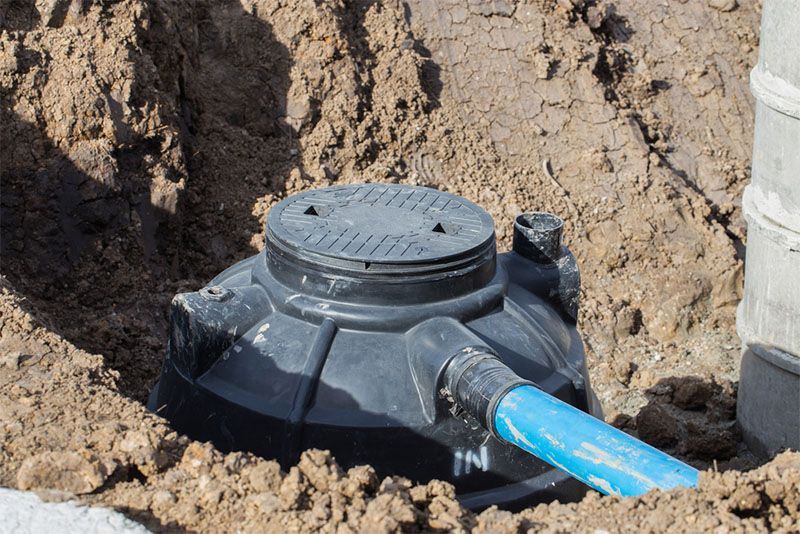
x: 761, y: 500
x: 67, y: 431
x: 144, y: 142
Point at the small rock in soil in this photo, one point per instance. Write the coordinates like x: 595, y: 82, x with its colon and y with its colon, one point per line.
x: 723, y: 5
x: 11, y: 360
x: 73, y: 472
x: 657, y: 426
x: 693, y: 394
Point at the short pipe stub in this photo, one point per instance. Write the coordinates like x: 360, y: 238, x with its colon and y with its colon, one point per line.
x: 537, y: 236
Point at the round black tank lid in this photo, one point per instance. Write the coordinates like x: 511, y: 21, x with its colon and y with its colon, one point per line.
x: 381, y: 228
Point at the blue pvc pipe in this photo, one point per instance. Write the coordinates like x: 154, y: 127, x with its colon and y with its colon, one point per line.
x: 595, y: 453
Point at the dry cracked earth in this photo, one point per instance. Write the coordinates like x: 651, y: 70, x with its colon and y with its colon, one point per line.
x: 144, y: 142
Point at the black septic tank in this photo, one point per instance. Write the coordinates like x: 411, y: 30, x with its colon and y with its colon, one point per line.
x: 337, y: 336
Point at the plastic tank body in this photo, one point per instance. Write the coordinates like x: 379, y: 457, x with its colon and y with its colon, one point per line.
x: 337, y: 335
x: 768, y: 321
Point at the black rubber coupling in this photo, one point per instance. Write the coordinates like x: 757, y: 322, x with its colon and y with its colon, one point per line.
x: 477, y: 380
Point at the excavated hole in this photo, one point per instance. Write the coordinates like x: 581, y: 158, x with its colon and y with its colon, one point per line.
x: 99, y: 242
x: 101, y: 268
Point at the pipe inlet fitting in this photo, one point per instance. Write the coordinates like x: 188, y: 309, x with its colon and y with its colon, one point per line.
x: 515, y: 411
x: 477, y: 380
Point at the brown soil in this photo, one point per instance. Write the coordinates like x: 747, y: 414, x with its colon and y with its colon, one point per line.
x: 144, y: 142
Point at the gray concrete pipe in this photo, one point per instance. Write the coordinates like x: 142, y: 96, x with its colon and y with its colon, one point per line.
x: 768, y: 319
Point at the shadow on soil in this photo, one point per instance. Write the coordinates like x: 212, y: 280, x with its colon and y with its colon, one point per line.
x: 694, y: 419
x: 80, y: 236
